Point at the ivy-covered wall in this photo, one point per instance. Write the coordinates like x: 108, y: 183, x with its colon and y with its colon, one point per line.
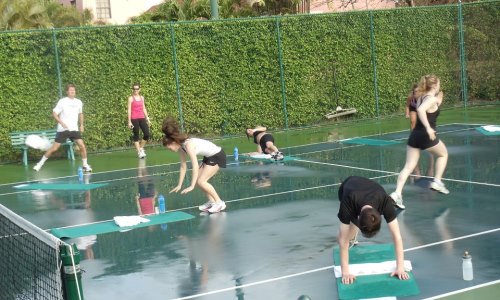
x: 219, y: 77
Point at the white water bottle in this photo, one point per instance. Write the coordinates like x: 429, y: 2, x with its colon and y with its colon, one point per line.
x: 467, y: 270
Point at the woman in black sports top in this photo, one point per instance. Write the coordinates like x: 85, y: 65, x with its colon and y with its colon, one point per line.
x: 423, y: 137
x: 265, y: 142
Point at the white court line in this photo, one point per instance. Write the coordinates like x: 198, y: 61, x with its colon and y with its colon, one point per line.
x: 72, y: 176
x: 317, y: 270
x: 451, y: 240
x: 254, y: 283
x: 463, y: 290
x: 394, y: 173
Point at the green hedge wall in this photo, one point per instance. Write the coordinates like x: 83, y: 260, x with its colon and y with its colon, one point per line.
x: 219, y: 77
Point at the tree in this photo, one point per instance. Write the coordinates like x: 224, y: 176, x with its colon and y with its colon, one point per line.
x: 30, y: 14
x: 22, y: 14
x: 181, y: 10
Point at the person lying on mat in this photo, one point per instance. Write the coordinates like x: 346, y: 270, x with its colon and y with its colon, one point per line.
x: 264, y: 141
x: 362, y: 202
x: 214, y: 158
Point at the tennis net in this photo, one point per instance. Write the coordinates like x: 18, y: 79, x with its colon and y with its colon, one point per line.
x: 30, y: 264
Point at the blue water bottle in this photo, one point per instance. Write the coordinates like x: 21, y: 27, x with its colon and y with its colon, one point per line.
x: 161, y: 203
x: 80, y: 174
x: 236, y: 155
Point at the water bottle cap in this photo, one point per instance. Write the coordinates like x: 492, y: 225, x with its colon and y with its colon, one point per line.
x: 467, y: 255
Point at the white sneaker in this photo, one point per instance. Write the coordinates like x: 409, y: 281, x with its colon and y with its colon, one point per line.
x: 87, y: 169
x: 141, y: 154
x: 217, y: 207
x: 439, y: 187
x: 37, y: 167
x: 206, y: 206
x: 398, y: 200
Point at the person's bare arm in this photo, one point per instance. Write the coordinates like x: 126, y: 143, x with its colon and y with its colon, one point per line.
x: 182, y: 172
x: 58, y: 120
x: 194, y: 165
x: 145, y: 111
x: 81, y: 122
x: 422, y: 110
x: 343, y: 240
x: 129, y: 109
x: 398, y: 248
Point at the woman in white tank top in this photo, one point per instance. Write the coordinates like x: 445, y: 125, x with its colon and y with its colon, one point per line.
x: 214, y: 158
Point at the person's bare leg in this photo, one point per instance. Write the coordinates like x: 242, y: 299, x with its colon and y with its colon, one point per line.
x: 412, y: 157
x: 83, y: 149
x: 271, y: 147
x: 441, y: 154
x: 206, y: 172
x: 46, y: 156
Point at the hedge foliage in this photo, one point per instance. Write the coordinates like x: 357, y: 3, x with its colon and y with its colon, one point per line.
x: 219, y: 77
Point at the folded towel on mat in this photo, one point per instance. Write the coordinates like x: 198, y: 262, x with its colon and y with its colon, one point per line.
x: 372, y: 268
x: 127, y: 221
x: 491, y: 128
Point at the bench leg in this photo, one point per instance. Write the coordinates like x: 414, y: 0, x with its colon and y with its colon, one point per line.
x: 25, y: 157
x: 71, y: 153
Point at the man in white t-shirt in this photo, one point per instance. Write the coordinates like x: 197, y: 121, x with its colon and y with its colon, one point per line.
x: 68, y: 113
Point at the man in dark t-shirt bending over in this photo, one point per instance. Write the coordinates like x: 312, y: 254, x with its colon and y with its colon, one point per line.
x: 362, y: 202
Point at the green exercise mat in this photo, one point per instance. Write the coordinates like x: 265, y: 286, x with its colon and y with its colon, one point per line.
x: 373, y: 286
x: 110, y: 226
x: 369, y: 142
x: 266, y: 159
x: 60, y: 186
x: 486, y: 132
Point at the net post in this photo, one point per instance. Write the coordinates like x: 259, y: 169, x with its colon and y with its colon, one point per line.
x: 71, y: 275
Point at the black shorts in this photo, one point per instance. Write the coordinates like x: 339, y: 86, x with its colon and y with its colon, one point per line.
x: 216, y: 159
x: 420, y: 139
x: 263, y: 140
x: 140, y: 124
x: 62, y: 136
x: 413, y: 108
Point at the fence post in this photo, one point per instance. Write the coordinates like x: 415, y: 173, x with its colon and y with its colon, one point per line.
x: 374, y: 62
x: 58, y: 68
x: 463, y: 67
x: 282, y: 72
x: 176, y: 68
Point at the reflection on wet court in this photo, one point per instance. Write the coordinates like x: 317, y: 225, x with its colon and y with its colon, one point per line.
x: 276, y: 237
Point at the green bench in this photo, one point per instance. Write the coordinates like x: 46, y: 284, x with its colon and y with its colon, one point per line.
x: 18, y: 139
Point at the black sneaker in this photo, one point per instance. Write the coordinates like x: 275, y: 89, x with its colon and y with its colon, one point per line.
x: 278, y: 156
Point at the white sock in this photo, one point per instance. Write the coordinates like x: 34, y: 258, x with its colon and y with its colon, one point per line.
x: 43, y: 160
x: 438, y: 181
x: 84, y: 161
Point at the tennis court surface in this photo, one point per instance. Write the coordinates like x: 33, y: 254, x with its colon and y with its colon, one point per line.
x: 276, y: 237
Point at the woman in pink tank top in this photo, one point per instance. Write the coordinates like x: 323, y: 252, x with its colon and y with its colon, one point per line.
x: 138, y: 119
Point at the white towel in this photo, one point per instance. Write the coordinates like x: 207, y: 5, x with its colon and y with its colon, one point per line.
x: 491, y: 128
x: 126, y: 221
x: 37, y: 142
x: 261, y: 156
x: 372, y: 268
